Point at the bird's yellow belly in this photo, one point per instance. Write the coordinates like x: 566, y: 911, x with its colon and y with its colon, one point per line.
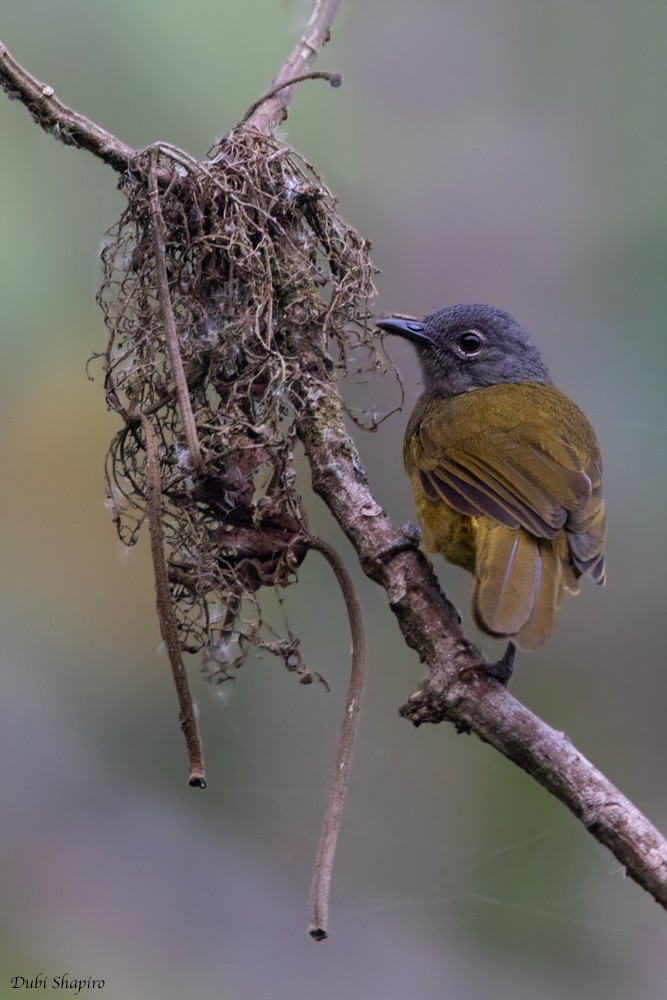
x: 446, y: 531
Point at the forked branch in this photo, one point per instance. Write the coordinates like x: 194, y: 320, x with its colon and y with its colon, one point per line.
x: 455, y: 690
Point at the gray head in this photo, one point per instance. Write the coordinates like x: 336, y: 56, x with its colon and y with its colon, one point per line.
x: 468, y: 347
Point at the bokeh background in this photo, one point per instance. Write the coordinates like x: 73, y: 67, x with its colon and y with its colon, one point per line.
x: 493, y: 150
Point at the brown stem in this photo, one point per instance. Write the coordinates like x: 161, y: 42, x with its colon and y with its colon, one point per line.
x: 273, y: 110
x: 550, y: 757
x: 335, y: 79
x: 170, y: 329
x: 165, y: 610
x: 321, y: 884
x: 70, y: 127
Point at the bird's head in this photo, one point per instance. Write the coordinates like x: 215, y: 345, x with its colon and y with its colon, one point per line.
x: 468, y: 347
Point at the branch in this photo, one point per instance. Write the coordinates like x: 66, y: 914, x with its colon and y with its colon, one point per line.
x: 70, y: 127
x: 321, y: 884
x: 168, y: 320
x: 272, y: 110
x: 335, y: 79
x: 74, y: 129
x: 165, y: 609
x: 456, y: 689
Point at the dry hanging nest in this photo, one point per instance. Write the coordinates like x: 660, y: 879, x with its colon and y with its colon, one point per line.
x: 209, y: 273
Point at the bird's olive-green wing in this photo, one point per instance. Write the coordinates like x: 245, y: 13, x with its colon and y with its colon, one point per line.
x: 523, y: 455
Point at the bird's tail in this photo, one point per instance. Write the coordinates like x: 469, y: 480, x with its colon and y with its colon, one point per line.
x: 520, y: 581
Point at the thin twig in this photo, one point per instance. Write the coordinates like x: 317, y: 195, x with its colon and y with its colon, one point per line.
x: 273, y: 110
x: 335, y: 79
x: 321, y: 885
x: 170, y: 329
x: 165, y: 610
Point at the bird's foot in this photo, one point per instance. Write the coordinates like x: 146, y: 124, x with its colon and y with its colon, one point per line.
x: 502, y: 669
x: 412, y: 532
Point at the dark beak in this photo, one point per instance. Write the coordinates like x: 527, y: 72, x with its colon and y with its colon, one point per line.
x: 411, y: 329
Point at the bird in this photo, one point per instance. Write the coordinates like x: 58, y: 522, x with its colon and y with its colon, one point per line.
x: 505, y: 469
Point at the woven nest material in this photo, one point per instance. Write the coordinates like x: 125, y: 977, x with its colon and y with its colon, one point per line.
x: 253, y: 249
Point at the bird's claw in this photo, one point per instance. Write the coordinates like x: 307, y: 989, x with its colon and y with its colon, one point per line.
x: 412, y: 532
x: 502, y: 669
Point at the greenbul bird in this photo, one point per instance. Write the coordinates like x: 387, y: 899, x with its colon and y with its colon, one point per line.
x: 505, y: 469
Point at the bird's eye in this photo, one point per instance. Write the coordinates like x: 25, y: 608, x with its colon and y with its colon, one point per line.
x: 469, y: 342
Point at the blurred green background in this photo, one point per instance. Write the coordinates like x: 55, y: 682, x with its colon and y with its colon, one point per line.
x: 494, y: 150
